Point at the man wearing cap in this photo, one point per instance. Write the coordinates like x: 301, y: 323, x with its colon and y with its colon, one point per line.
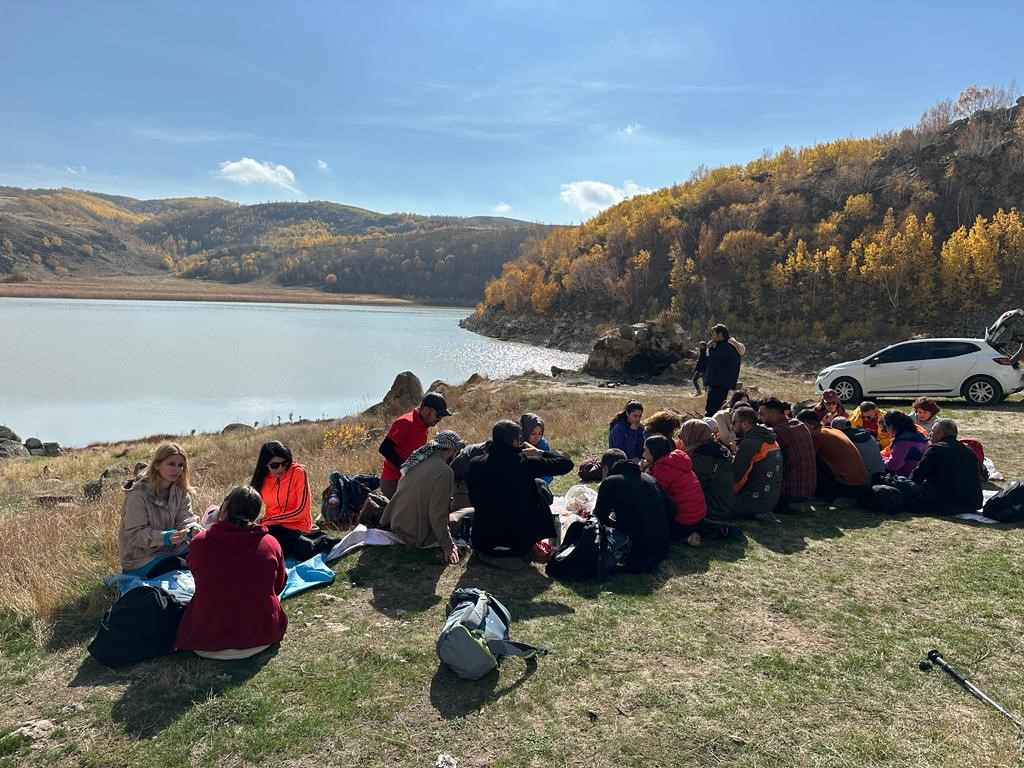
x: 829, y: 407
x: 418, y: 511
x: 407, y: 433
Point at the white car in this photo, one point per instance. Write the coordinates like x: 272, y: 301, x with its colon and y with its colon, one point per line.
x: 979, y: 370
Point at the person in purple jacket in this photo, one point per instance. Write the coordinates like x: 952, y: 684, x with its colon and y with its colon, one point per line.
x: 625, y: 431
x: 908, y: 444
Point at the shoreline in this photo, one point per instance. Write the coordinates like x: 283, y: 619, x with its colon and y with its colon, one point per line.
x: 165, y: 288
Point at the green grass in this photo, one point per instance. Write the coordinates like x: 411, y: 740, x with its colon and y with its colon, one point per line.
x: 799, y: 648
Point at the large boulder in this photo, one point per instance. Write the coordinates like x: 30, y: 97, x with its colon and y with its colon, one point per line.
x: 6, y: 433
x: 12, y: 449
x: 641, y: 351
x: 236, y: 426
x: 405, y: 394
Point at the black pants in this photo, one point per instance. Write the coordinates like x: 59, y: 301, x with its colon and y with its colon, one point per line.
x: 831, y: 489
x: 716, y: 399
x: 299, y: 545
x: 698, y: 379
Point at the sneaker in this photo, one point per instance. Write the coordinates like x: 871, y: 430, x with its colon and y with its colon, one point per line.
x: 693, y: 539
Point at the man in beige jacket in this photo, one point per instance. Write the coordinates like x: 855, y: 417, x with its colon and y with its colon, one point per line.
x: 418, y: 512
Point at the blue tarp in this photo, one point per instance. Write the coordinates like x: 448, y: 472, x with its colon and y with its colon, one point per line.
x: 181, y: 586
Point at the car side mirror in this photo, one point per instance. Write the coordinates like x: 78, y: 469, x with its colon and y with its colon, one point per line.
x: 873, y: 362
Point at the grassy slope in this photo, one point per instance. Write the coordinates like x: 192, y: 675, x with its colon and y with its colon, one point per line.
x: 798, y: 649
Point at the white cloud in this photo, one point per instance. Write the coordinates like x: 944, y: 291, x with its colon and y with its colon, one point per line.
x: 176, y: 135
x: 74, y: 170
x: 502, y: 207
x: 322, y: 165
x: 249, y: 171
x: 630, y: 130
x: 595, y: 196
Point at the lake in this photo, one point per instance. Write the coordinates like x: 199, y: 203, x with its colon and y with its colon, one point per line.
x: 82, y: 371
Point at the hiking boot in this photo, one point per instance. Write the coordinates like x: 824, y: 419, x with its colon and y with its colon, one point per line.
x: 693, y: 539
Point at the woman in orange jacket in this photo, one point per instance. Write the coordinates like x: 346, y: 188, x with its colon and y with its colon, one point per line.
x: 284, y: 487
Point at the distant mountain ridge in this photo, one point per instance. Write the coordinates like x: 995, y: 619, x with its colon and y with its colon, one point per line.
x: 67, y: 233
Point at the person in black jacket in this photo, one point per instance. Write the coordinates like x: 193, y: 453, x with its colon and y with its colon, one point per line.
x: 631, y: 501
x: 948, y: 474
x: 723, y: 370
x: 510, y: 516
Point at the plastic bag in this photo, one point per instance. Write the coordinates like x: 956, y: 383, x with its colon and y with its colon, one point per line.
x: 580, y: 500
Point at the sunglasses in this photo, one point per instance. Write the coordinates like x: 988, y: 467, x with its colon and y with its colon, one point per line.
x: 276, y: 464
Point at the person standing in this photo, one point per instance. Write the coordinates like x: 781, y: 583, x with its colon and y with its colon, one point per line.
x: 723, y: 371
x: 701, y: 368
x: 407, y: 433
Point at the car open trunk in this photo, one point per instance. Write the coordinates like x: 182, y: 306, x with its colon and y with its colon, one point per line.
x: 1005, y: 328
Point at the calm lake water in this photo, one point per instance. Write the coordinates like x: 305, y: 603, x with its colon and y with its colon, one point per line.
x: 81, y: 371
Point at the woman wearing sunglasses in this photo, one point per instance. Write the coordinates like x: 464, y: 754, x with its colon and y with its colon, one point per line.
x: 285, y: 491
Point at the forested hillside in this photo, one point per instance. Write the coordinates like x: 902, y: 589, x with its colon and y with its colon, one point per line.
x: 67, y: 233
x: 916, y: 231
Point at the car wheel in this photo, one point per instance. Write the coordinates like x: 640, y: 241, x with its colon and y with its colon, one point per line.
x: 982, y: 390
x: 849, y: 391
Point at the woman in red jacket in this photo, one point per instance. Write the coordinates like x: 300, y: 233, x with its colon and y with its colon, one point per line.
x: 239, y: 572
x: 673, y: 470
x: 285, y: 491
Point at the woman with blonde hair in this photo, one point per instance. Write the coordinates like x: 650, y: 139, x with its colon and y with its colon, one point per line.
x: 156, y: 517
x: 712, y: 464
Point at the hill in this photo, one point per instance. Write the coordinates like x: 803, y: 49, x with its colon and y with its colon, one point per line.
x: 915, y: 231
x: 70, y: 233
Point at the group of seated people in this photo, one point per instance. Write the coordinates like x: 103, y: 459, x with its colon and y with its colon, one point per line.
x: 663, y: 479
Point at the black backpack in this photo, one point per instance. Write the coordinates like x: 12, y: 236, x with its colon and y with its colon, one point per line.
x: 589, y: 551
x: 141, y: 625
x: 883, y: 498
x: 1007, y: 506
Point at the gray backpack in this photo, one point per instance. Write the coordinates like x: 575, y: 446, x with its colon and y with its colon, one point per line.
x: 475, y: 635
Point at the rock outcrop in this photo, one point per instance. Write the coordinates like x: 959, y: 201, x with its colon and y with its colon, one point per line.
x: 12, y: 449
x: 405, y: 394
x: 236, y: 426
x: 6, y: 433
x: 642, y: 351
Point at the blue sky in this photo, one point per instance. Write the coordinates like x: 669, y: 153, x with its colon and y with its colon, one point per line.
x: 544, y: 111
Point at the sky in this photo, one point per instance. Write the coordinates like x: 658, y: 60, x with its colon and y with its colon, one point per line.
x: 543, y: 111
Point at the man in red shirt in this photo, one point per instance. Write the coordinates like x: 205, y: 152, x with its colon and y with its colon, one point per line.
x: 407, y: 433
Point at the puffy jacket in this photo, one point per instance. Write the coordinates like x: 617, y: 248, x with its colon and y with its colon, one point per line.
x: 628, y: 440
x: 948, y: 474
x: 674, y: 474
x: 757, y: 472
x: 632, y: 502
x: 712, y: 463
x: 144, y: 519
x: 905, y: 452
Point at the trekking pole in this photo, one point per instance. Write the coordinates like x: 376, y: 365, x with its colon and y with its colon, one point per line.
x: 935, y: 658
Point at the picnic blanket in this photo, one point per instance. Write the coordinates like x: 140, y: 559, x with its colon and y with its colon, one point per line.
x: 979, y: 516
x: 181, y: 585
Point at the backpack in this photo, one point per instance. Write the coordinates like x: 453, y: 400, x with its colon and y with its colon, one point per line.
x: 475, y: 635
x: 883, y: 498
x: 141, y: 625
x: 1007, y: 506
x: 979, y: 452
x: 910, y: 490
x: 589, y: 551
x: 590, y: 471
x: 348, y: 493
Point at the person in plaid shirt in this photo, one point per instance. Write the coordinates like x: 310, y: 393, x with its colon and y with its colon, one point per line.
x: 799, y: 471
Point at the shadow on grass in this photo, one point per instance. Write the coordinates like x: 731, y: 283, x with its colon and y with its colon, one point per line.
x: 454, y: 697
x: 161, y: 690
x: 516, y: 589
x: 792, y: 532
x: 401, y: 578
x: 77, y: 620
